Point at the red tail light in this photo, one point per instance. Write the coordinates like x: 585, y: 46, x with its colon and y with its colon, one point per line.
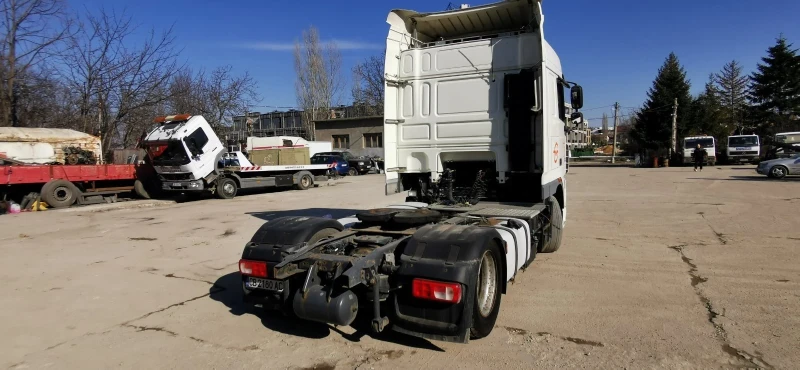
x: 253, y: 268
x: 436, y: 290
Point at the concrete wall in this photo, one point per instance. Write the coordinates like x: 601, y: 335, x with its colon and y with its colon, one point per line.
x: 355, y: 128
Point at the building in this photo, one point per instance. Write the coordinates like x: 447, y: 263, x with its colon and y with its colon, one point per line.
x: 288, y: 123
x: 580, y: 136
x: 357, y: 129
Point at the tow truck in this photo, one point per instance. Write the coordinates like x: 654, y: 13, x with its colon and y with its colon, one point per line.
x: 189, y: 157
x: 475, y: 124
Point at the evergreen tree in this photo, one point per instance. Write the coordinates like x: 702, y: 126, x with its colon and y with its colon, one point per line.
x: 707, y: 115
x: 731, y: 86
x: 775, y: 87
x: 653, y: 127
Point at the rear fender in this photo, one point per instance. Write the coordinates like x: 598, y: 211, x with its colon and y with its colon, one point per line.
x: 445, y: 253
x: 285, y: 235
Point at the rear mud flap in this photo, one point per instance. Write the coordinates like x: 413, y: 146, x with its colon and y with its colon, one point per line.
x: 432, y: 320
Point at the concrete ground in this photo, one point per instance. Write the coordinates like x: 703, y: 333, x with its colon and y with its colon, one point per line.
x: 660, y: 268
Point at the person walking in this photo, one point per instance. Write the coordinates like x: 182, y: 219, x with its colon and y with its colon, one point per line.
x: 699, y: 156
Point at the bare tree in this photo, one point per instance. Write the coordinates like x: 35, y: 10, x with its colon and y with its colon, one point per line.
x: 115, y: 79
x: 32, y: 30
x: 218, y: 96
x: 319, y: 77
x: 368, y: 86
x: 227, y: 95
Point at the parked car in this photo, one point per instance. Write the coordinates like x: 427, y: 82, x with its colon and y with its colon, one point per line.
x: 358, y: 165
x: 781, y: 167
x: 340, y: 165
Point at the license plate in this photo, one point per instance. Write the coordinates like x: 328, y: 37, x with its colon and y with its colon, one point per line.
x: 176, y: 184
x: 267, y: 284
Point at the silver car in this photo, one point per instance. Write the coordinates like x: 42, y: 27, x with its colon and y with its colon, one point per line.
x: 780, y: 168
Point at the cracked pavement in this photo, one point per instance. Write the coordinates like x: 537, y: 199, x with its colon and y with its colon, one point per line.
x: 660, y: 268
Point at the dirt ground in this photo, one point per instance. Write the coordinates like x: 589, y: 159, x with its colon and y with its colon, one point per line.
x: 660, y: 268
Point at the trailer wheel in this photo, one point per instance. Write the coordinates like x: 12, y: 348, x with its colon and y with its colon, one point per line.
x: 486, y: 304
x: 305, y: 182
x: 226, y: 188
x: 60, y: 193
x: 553, y: 231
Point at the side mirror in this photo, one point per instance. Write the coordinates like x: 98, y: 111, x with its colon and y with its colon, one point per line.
x: 576, y: 97
x: 576, y: 116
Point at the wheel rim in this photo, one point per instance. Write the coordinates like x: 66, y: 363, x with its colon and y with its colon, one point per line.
x: 228, y: 188
x: 777, y: 171
x: 305, y: 181
x: 62, y: 194
x: 487, y: 284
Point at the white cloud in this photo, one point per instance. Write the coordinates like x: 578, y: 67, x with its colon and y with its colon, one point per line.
x: 289, y: 46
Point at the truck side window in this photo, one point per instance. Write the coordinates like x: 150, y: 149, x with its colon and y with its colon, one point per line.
x: 562, y: 109
x: 196, y: 141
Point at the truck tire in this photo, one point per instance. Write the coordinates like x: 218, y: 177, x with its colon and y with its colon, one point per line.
x: 554, y: 231
x: 140, y: 190
x: 324, y: 233
x: 486, y: 302
x: 226, y: 188
x: 352, y: 172
x: 60, y: 193
x: 304, y: 182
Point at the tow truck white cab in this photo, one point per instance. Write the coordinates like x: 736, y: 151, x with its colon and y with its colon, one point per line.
x: 743, y: 148
x: 708, y: 143
x: 475, y: 125
x: 189, y: 157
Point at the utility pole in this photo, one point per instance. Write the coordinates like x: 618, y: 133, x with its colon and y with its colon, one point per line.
x: 674, y: 138
x: 614, y: 147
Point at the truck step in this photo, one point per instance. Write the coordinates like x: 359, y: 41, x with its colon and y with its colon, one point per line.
x: 521, y: 213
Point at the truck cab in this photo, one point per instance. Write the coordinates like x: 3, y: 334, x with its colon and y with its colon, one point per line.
x: 183, y: 148
x: 475, y: 109
x: 707, y: 143
x: 743, y: 148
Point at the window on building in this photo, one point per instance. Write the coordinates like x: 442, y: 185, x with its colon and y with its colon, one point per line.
x: 374, y: 140
x: 341, y: 141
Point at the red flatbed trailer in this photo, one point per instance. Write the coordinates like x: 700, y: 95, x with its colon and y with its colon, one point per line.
x: 63, y: 185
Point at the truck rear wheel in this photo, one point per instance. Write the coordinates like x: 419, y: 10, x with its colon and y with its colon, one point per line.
x: 226, y: 188
x: 553, y: 231
x: 60, y: 193
x: 486, y: 304
x: 305, y: 182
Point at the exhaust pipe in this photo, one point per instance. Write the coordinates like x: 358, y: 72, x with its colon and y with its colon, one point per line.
x: 340, y: 310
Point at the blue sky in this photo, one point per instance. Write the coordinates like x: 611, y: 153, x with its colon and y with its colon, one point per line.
x: 613, y: 47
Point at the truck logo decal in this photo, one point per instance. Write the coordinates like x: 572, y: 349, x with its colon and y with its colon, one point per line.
x: 555, y: 154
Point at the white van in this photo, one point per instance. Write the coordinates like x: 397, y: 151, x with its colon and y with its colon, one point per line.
x: 743, y: 148
x: 706, y: 142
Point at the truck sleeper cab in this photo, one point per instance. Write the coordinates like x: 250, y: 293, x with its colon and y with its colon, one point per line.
x: 474, y: 132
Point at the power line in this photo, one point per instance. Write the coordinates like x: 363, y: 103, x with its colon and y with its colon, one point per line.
x: 605, y: 106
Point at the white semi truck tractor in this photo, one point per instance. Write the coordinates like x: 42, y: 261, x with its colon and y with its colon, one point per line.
x: 474, y: 133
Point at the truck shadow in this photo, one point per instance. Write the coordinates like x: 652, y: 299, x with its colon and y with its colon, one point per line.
x: 332, y: 213
x: 228, y: 291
